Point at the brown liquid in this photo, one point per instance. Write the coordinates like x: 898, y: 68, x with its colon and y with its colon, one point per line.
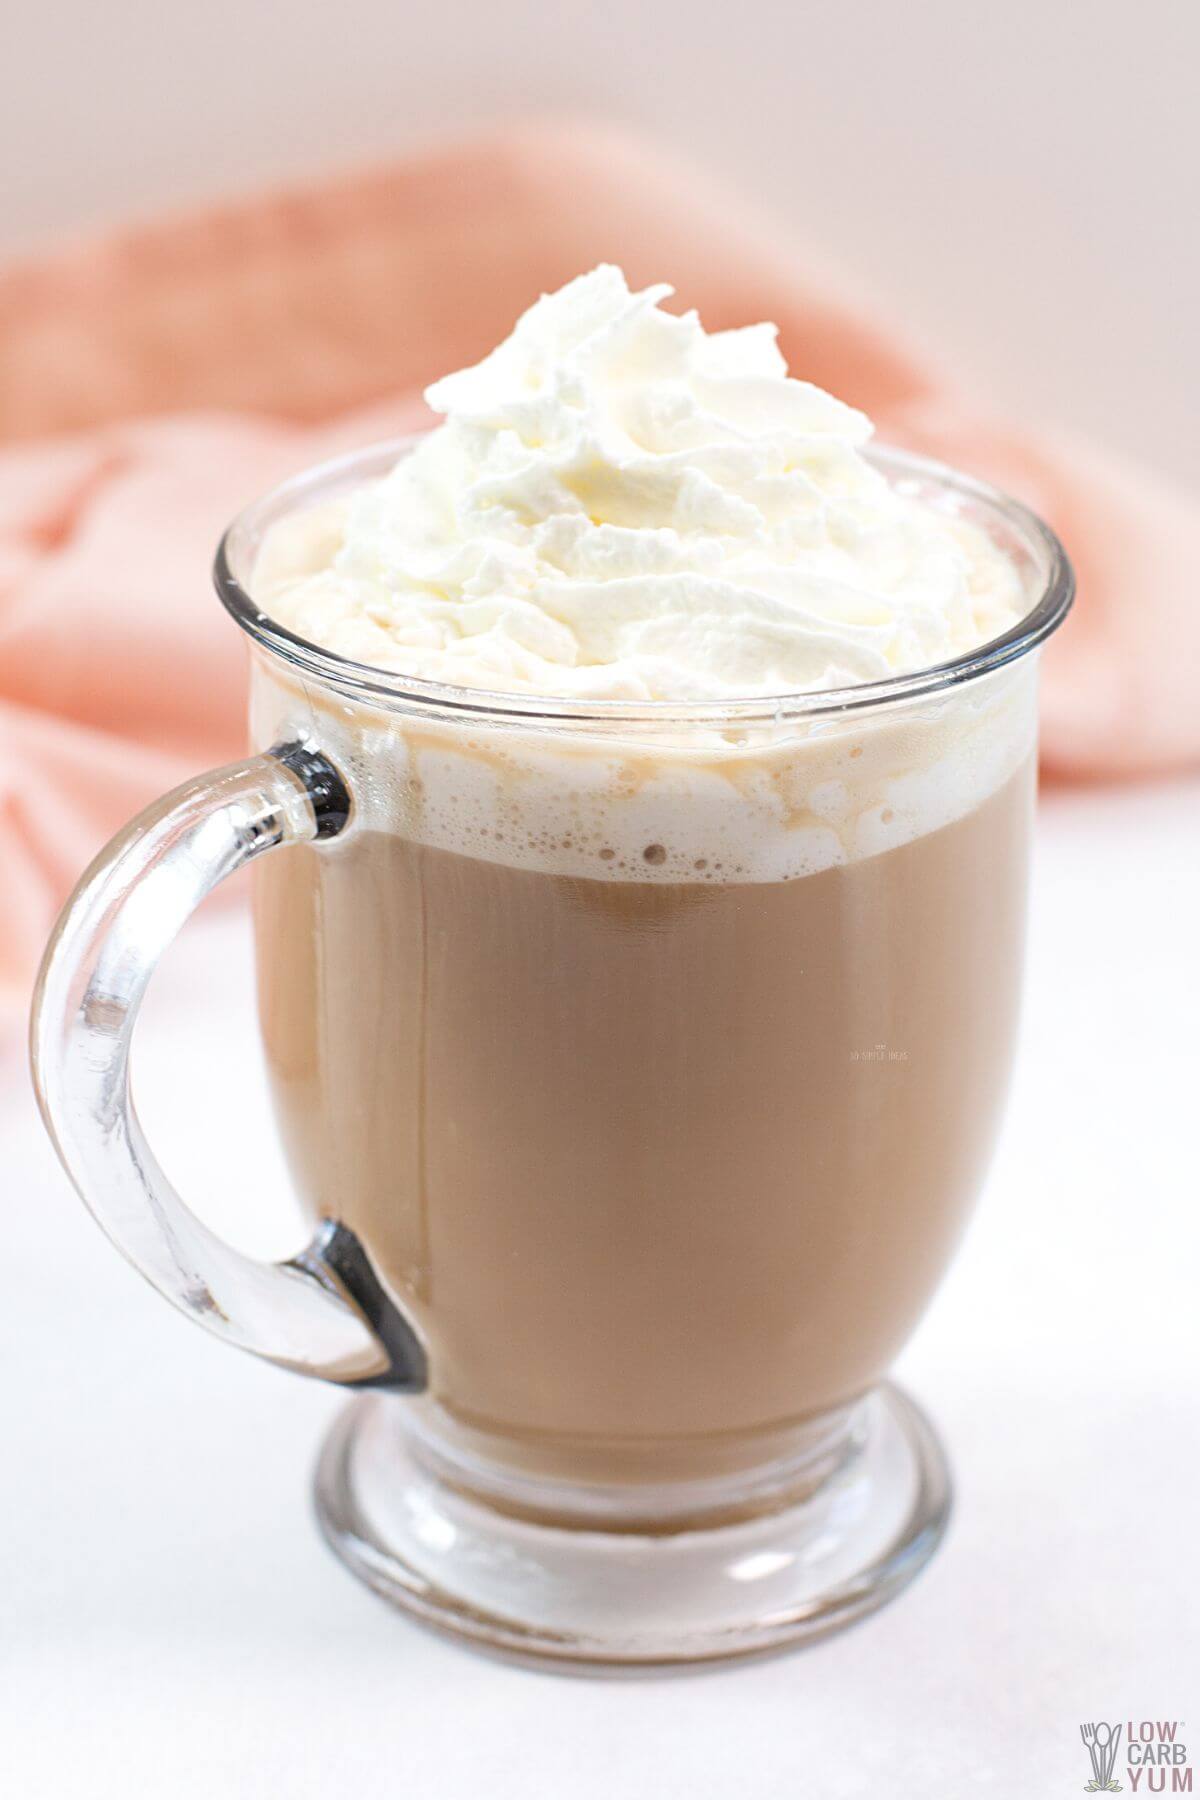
x: 659, y: 1170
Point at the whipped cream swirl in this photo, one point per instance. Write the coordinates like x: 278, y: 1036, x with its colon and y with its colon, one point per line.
x: 620, y: 505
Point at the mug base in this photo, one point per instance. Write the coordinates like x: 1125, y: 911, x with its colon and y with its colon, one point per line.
x: 625, y: 1599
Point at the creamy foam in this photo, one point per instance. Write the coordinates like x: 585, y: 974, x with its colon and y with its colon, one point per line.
x: 772, y: 804
x: 620, y: 505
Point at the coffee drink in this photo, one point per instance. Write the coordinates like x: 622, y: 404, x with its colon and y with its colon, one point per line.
x: 638, y: 814
x: 654, y: 1065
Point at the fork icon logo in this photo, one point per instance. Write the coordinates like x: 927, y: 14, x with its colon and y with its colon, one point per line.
x: 1102, y: 1741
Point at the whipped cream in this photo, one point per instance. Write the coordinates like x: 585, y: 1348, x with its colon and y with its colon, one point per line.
x: 620, y: 505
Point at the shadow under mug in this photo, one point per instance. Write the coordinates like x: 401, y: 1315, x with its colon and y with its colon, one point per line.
x: 637, y: 1065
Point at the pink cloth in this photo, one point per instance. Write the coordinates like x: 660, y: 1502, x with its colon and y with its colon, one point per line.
x: 153, y: 382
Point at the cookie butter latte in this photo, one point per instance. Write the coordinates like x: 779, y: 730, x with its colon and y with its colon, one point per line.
x: 639, y: 808
x: 656, y: 1066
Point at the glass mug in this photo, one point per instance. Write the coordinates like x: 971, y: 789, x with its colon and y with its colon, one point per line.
x: 636, y: 1064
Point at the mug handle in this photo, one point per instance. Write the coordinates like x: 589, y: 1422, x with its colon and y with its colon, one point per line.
x: 323, y: 1312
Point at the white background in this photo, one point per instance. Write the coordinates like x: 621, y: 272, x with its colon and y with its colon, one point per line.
x: 1017, y: 178
x: 171, y: 1626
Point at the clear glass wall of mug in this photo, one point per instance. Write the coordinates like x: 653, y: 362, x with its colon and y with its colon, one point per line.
x: 637, y: 1067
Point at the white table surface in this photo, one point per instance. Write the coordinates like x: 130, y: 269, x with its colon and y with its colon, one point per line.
x: 171, y: 1625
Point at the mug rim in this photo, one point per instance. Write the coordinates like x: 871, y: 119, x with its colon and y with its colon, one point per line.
x: 906, y: 469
